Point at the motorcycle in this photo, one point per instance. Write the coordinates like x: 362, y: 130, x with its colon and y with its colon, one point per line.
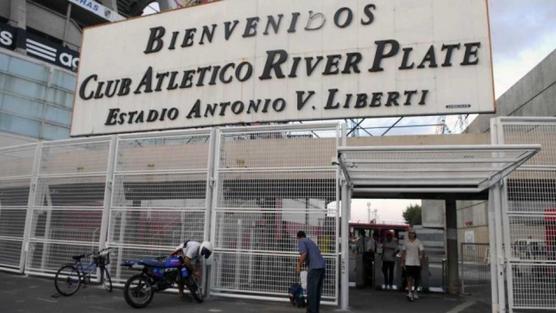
x: 157, y: 275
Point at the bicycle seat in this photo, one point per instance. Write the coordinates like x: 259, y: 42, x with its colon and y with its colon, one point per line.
x: 78, y: 257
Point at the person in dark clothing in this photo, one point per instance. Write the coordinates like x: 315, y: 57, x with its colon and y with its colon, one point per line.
x: 310, y: 255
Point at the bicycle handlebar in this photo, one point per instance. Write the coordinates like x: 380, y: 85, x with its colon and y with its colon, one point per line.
x: 100, y: 252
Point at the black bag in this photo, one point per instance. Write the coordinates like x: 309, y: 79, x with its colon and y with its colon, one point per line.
x: 295, y: 293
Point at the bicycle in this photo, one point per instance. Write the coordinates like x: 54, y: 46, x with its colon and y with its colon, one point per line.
x: 69, y: 277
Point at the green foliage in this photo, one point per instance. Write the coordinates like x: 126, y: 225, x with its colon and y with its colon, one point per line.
x: 412, y: 215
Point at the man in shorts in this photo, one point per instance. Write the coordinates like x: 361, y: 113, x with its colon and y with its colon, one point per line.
x: 412, y: 253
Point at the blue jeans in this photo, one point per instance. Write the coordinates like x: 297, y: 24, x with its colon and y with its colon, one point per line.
x: 315, y: 278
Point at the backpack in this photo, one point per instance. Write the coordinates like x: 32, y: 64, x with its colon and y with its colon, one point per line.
x: 296, y: 295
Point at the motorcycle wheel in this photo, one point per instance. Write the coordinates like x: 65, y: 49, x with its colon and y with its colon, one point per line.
x: 138, y: 291
x: 194, y: 289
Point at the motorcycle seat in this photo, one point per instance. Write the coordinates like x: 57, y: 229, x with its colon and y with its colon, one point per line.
x: 152, y: 262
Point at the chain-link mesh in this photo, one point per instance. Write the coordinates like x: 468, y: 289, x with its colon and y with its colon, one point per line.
x: 67, y: 225
x: 17, y: 161
x: 171, y: 152
x: 268, y: 274
x: 529, y: 132
x: 159, y: 195
x: 187, y: 190
x: 475, y: 268
x: 48, y: 257
x: 531, y: 217
x: 11, y: 252
x: 69, y: 201
x: 16, y: 167
x: 156, y: 228
x: 272, y: 184
x: 74, y: 157
x: 534, y: 285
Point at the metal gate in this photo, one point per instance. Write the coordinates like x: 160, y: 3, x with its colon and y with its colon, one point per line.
x: 474, y: 268
x: 16, y: 169
x: 66, y: 202
x: 529, y: 215
x: 160, y: 195
x: 248, y: 190
x: 264, y: 195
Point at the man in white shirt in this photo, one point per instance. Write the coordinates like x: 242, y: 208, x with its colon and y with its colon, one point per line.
x: 411, y: 261
x: 190, y: 251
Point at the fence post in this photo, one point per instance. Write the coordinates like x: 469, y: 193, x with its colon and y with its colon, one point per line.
x: 462, y: 270
x: 103, y: 236
x: 30, y: 206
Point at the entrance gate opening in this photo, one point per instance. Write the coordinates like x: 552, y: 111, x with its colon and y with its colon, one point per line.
x: 445, y: 172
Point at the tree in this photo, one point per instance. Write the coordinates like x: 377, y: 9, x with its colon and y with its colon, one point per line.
x: 412, y: 214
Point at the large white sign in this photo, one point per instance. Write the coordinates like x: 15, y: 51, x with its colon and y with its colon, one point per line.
x: 246, y: 61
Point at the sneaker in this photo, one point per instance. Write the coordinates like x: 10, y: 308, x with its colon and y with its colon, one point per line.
x: 415, y: 296
x: 394, y: 287
x: 410, y: 296
x: 389, y: 287
x: 383, y: 287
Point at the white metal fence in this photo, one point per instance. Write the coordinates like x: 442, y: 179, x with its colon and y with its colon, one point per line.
x: 264, y: 195
x: 159, y: 195
x: 529, y: 216
x: 67, y: 202
x: 16, y: 170
x: 143, y: 194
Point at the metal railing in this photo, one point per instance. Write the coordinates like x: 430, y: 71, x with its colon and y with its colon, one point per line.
x: 529, y: 216
x: 143, y: 194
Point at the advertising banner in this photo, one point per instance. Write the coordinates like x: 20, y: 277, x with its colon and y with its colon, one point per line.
x: 252, y: 61
x: 38, y: 47
x: 98, y: 9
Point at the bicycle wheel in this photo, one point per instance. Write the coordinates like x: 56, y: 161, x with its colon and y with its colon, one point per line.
x: 138, y: 291
x: 107, y: 281
x: 194, y: 289
x: 67, y: 280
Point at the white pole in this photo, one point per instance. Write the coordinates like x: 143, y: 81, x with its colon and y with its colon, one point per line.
x: 344, y: 266
x: 497, y: 252
x: 106, y: 210
x: 33, y: 185
x: 368, y: 212
x: 251, y: 248
x: 499, y: 249
x: 238, y: 253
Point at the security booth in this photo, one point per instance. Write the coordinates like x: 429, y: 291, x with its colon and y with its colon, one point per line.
x: 449, y: 172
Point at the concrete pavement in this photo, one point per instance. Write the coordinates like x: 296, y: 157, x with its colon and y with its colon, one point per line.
x: 20, y: 293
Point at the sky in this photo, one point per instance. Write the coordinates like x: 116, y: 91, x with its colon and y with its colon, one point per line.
x: 523, y: 33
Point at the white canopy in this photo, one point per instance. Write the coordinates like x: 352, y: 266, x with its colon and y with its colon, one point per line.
x: 435, y: 169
